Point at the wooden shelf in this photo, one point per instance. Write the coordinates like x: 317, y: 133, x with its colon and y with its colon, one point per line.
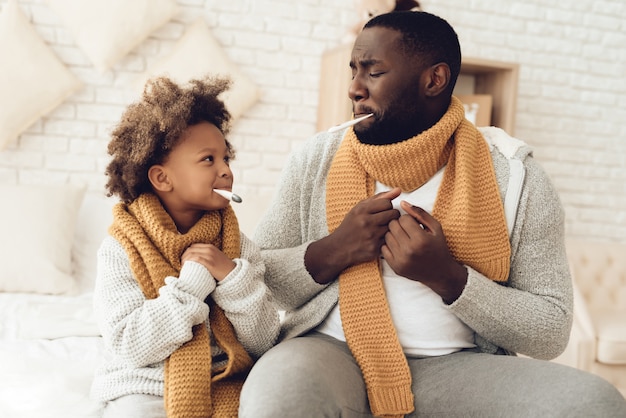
x: 498, y: 79
x: 478, y: 76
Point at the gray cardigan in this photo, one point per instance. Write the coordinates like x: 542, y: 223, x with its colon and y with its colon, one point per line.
x: 530, y: 315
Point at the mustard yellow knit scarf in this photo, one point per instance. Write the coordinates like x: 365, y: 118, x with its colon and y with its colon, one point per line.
x: 469, y: 207
x: 154, y: 247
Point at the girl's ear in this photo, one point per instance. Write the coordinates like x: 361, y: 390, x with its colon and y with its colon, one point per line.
x: 157, y: 174
x: 439, y: 78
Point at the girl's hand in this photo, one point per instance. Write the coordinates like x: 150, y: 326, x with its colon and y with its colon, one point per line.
x: 218, y: 263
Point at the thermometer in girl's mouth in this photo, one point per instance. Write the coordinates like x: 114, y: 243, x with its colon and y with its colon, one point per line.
x: 228, y: 195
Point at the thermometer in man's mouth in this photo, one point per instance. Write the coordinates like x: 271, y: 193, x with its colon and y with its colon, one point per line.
x: 349, y: 123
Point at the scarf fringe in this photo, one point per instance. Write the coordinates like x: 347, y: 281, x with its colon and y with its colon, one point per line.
x: 392, y: 401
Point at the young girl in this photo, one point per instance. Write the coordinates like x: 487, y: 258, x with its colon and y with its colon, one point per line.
x: 180, y: 295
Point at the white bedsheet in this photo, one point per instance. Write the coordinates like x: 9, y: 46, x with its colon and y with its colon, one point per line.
x: 31, y: 316
x: 49, y: 348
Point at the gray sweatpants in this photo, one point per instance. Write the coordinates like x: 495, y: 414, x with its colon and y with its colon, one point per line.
x: 135, y: 406
x: 316, y: 376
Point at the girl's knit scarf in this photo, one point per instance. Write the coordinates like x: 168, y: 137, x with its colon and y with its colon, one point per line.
x: 469, y: 208
x: 154, y: 247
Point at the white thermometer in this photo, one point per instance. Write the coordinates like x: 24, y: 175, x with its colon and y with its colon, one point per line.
x: 228, y: 195
x: 349, y: 123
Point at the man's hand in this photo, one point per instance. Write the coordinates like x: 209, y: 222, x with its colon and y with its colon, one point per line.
x: 362, y: 231
x: 357, y: 239
x: 218, y: 263
x: 415, y: 247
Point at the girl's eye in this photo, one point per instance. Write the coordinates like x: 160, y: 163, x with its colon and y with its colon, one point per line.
x: 227, y: 160
x: 209, y: 158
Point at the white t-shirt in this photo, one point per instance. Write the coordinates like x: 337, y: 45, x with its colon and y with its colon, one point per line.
x: 424, y: 325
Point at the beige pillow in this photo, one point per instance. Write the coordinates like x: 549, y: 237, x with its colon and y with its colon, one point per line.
x: 36, y: 234
x: 107, y: 30
x: 32, y: 79
x: 197, y: 54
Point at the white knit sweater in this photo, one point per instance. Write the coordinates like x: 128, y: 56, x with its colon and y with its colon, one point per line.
x: 140, y: 334
x: 531, y: 314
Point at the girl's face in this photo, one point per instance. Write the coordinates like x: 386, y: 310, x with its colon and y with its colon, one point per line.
x: 198, y: 164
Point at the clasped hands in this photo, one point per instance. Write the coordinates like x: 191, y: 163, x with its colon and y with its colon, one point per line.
x: 211, y: 257
x: 413, y: 244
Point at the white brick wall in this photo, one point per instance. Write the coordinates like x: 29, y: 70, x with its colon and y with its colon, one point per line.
x: 571, y: 105
x: 572, y: 95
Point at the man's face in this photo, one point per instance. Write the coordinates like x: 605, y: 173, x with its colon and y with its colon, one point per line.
x: 385, y: 82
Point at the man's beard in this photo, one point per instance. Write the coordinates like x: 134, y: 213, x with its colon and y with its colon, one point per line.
x: 386, y: 131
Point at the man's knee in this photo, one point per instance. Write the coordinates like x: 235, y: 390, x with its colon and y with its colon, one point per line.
x: 279, y: 384
x: 596, y: 397
x: 302, y: 377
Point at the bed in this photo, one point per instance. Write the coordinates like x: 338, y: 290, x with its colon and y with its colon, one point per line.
x: 48, y: 352
x: 50, y: 344
x: 49, y: 339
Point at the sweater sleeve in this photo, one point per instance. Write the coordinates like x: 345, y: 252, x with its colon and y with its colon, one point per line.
x: 142, y: 331
x: 247, y: 301
x: 532, y: 314
x: 295, y: 218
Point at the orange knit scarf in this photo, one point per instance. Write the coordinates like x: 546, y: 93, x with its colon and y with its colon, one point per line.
x: 154, y: 247
x: 468, y: 206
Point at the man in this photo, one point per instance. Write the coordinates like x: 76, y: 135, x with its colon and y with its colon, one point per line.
x: 407, y: 285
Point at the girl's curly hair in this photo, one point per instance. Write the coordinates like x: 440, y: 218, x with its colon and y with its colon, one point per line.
x: 151, y: 127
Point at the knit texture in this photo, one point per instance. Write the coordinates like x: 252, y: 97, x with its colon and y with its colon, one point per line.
x: 154, y: 247
x: 469, y: 208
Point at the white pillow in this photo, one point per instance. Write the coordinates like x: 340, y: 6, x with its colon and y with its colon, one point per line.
x: 94, y: 219
x: 32, y: 79
x: 107, y: 30
x: 197, y: 54
x: 36, y: 234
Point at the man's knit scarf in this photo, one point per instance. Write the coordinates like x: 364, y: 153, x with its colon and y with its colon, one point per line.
x: 154, y: 247
x: 469, y: 208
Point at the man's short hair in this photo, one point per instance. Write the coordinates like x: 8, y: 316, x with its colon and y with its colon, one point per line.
x: 425, y: 36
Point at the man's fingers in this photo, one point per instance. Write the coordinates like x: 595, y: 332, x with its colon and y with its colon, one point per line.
x: 383, y: 218
x: 397, y: 233
x: 389, y: 194
x: 386, y: 253
x: 424, y: 218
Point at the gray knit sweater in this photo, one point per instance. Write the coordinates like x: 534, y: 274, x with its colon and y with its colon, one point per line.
x: 530, y: 315
x: 140, y: 334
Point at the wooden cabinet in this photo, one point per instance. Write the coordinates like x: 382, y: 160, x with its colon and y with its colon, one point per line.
x: 478, y: 76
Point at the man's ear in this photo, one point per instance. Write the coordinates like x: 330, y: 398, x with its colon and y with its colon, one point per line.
x: 438, y: 80
x: 157, y: 174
